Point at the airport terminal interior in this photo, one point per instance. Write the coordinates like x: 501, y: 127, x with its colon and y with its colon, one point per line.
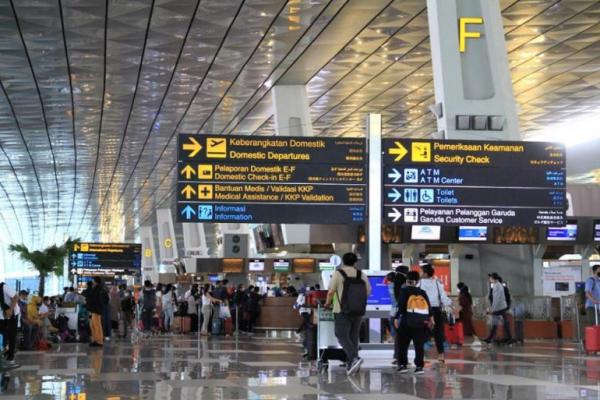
x: 300, y: 199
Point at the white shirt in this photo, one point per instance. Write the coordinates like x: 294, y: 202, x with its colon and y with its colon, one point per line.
x: 9, y: 293
x: 192, y: 304
x: 206, y: 300
x: 435, y: 291
x: 44, y: 309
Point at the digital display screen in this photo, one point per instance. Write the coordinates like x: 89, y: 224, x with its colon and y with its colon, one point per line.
x: 596, y: 231
x: 472, y: 233
x: 565, y: 233
x: 256, y: 266
x: 380, y: 295
x: 396, y: 262
x: 213, y: 278
x: 105, y: 259
x: 425, y: 232
x: 281, y: 265
x: 326, y: 265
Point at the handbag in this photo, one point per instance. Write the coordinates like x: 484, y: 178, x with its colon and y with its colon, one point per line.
x: 224, y: 312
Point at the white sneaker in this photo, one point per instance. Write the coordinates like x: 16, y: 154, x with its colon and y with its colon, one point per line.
x: 107, y: 339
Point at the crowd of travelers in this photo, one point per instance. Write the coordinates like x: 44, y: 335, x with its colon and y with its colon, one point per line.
x: 421, y: 313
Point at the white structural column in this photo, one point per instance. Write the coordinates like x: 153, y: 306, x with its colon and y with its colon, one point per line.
x: 292, y: 112
x: 375, y: 182
x: 471, y: 70
x: 473, y: 90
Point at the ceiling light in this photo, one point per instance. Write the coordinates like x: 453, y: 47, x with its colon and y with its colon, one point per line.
x: 571, y: 131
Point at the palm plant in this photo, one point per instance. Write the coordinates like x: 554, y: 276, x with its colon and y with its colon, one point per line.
x: 45, y: 262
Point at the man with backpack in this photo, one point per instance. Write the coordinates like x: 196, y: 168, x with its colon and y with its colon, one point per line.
x: 413, y: 321
x: 500, y: 302
x: 348, y: 291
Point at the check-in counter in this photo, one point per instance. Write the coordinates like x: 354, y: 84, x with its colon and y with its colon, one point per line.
x: 278, y: 313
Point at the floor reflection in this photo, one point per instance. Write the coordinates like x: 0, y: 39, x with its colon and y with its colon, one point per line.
x: 270, y: 367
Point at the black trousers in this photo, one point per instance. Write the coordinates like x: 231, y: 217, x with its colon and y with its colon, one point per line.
x: 438, y: 329
x: 8, y: 329
x: 418, y: 336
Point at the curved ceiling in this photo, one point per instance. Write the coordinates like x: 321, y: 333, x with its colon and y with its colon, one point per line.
x: 93, y: 93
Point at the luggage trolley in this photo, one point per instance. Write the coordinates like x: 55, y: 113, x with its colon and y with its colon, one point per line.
x: 328, y: 347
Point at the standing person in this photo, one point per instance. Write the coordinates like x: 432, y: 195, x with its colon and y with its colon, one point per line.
x: 413, y: 320
x: 396, y: 281
x: 9, y: 317
x: 592, y: 296
x: 114, y: 303
x: 305, y: 312
x: 499, y: 306
x: 127, y: 311
x: 71, y: 297
x: 30, y: 329
x: 148, y: 299
x: 348, y: 291
x: 207, y: 308
x: 236, y: 309
x: 437, y: 300
x: 97, y: 300
x: 465, y: 315
x: 191, y: 297
x: 168, y: 307
x: 253, y: 308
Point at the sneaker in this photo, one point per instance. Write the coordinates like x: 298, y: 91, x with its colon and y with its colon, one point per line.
x: 419, y: 371
x: 355, y: 366
x: 403, y: 369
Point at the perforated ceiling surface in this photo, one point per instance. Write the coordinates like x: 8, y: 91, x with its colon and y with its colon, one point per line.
x: 93, y: 92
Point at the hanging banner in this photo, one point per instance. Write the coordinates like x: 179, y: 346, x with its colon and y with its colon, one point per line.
x: 194, y: 241
x: 166, y: 236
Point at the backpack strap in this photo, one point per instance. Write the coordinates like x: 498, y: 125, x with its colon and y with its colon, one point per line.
x: 345, y: 276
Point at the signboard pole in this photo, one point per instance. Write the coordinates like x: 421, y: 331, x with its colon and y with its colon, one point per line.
x: 375, y: 204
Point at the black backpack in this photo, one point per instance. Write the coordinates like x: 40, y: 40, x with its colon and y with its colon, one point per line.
x: 354, y: 297
x: 4, y: 306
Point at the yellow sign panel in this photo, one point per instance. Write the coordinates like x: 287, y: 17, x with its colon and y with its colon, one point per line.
x: 85, y: 247
x: 205, y: 192
x: 188, y: 191
x: 81, y: 396
x: 193, y: 147
x: 168, y: 243
x: 148, y: 253
x: 421, y: 152
x: 216, y: 148
x: 399, y: 151
x: 463, y: 34
x: 205, y: 172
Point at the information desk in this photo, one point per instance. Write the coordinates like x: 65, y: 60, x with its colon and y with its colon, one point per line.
x: 278, y: 313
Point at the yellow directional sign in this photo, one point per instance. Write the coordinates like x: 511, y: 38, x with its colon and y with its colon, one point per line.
x: 216, y: 148
x: 76, y: 247
x: 205, y: 172
x: 421, y: 151
x: 399, y: 151
x: 148, y: 253
x: 188, y: 172
x: 193, y: 146
x: 205, y: 192
x: 188, y: 191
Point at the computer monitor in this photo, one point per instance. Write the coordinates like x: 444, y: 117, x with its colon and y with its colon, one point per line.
x: 472, y: 233
x: 425, y: 232
x: 281, y: 265
x: 256, y: 265
x: 566, y: 233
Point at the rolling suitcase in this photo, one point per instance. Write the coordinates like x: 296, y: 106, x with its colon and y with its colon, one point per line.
x: 592, y: 335
x: 182, y: 324
x: 228, y: 326
x: 216, y: 326
x: 455, y: 334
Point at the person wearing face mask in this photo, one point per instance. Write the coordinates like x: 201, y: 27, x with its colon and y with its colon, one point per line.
x: 592, y: 296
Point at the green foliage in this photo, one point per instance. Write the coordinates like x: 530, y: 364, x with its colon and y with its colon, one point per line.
x: 45, y: 262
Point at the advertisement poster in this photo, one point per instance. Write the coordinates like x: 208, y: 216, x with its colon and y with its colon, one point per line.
x: 560, y: 281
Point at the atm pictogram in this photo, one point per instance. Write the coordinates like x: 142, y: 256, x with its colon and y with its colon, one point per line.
x: 421, y: 152
x: 216, y: 148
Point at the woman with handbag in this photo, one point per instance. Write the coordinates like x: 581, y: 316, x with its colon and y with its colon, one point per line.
x: 439, y: 302
x: 207, y: 306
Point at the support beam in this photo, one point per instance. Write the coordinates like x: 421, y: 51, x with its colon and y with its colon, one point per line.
x: 375, y: 181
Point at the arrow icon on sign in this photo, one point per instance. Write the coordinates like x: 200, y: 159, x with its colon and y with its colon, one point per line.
x: 395, y: 175
x: 188, y: 171
x: 188, y: 191
x: 399, y: 151
x: 395, y: 195
x: 188, y: 211
x: 193, y: 146
x: 395, y: 215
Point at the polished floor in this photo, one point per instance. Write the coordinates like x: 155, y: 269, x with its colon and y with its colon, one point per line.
x: 263, y: 367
